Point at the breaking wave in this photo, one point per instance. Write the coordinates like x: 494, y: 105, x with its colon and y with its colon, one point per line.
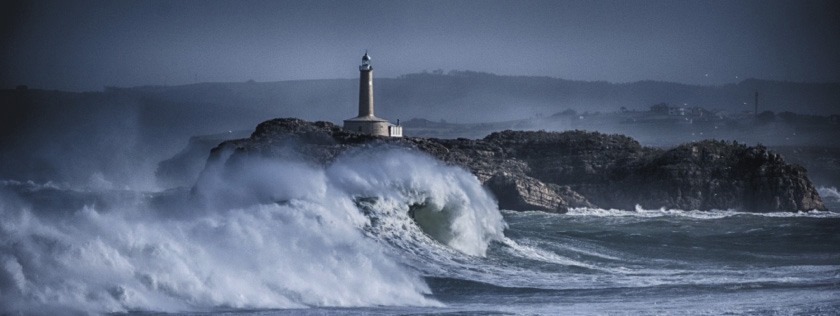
x: 254, y: 233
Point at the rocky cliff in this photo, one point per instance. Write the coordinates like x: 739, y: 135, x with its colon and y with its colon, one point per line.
x: 553, y: 171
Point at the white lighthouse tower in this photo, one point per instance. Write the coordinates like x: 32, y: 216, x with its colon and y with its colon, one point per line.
x: 366, y: 122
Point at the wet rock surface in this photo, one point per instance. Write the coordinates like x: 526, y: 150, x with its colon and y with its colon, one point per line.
x: 555, y: 171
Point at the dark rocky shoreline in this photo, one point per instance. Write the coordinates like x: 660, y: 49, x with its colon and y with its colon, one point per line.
x: 554, y: 171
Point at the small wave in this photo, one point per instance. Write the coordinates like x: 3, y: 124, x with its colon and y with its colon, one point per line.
x: 695, y: 214
x: 543, y: 255
x: 30, y: 185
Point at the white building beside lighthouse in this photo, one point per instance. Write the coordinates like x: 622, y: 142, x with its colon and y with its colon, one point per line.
x: 366, y: 122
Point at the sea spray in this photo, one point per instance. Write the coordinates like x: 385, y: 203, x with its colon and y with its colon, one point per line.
x: 446, y: 202
x: 829, y: 193
x: 258, y: 234
x: 264, y: 256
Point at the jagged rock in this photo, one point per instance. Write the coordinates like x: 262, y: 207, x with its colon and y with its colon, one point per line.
x: 709, y: 175
x: 518, y: 192
x: 553, y: 171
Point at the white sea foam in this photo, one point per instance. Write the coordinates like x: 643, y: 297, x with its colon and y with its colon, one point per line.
x: 695, y: 214
x: 32, y: 185
x: 535, y: 253
x: 268, y: 234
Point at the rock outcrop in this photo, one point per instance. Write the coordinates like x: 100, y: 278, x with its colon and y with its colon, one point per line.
x: 554, y: 171
x: 519, y: 192
x: 183, y: 168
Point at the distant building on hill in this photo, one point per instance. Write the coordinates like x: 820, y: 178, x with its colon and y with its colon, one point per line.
x: 366, y: 122
x: 676, y: 111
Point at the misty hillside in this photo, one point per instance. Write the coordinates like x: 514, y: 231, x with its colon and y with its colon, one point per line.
x: 481, y: 97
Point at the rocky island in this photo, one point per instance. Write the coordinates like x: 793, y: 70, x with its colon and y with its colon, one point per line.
x: 555, y: 171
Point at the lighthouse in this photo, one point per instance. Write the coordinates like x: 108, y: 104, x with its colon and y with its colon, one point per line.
x: 366, y: 122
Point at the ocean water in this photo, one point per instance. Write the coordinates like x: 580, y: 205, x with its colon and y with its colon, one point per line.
x: 388, y: 232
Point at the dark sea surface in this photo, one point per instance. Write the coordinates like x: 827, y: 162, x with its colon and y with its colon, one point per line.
x: 320, y: 249
x: 654, y: 262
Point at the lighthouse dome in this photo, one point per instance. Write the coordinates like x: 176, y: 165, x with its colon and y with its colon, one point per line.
x: 366, y: 57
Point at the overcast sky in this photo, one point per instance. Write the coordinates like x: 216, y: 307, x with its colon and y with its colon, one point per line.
x: 84, y: 45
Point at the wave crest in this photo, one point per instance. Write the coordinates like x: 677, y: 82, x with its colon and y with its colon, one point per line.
x: 446, y: 202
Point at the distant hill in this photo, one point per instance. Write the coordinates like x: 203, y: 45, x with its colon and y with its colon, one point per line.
x: 471, y: 96
x: 481, y: 97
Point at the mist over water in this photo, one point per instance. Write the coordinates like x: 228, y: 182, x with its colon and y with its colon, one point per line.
x: 829, y: 193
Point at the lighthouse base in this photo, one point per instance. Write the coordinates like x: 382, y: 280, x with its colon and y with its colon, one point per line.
x: 369, y: 125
